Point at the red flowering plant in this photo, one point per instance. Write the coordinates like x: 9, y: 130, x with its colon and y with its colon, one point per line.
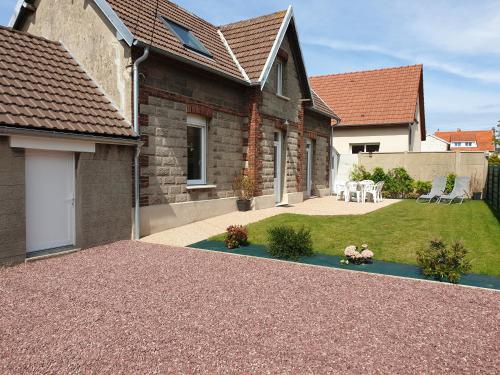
x: 236, y: 236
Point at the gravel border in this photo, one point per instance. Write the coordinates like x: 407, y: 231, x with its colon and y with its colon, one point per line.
x: 132, y: 307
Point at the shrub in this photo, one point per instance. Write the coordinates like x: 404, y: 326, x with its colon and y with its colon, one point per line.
x: 379, y: 175
x: 450, y: 182
x: 356, y: 256
x: 443, y: 262
x: 359, y: 173
x: 286, y: 243
x: 399, y: 183
x: 494, y: 160
x: 243, y: 187
x: 422, y: 187
x: 236, y: 236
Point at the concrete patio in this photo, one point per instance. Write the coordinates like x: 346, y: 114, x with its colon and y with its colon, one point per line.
x: 201, y: 230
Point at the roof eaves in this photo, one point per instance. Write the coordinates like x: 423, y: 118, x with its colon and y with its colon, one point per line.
x: 439, y: 139
x: 122, y: 32
x: 276, y: 45
x: 233, y: 56
x: 17, y: 12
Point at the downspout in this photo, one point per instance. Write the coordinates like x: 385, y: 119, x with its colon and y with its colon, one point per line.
x: 137, y: 215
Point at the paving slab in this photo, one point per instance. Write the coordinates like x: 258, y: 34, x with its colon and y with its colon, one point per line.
x: 201, y: 230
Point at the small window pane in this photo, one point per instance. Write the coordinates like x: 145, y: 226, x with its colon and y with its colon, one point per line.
x: 279, y: 78
x: 356, y: 149
x: 372, y: 148
x: 195, y: 150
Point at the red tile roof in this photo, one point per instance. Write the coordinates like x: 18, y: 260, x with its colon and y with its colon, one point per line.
x: 43, y: 87
x: 319, y: 105
x: 251, y: 41
x: 483, y: 138
x: 383, y: 96
x: 140, y: 18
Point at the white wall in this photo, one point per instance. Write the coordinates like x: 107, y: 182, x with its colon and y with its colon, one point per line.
x: 416, y: 133
x: 433, y: 144
x: 391, y: 138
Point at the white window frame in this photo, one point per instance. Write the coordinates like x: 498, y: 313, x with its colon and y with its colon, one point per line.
x: 279, y: 78
x: 364, y: 146
x: 200, y: 122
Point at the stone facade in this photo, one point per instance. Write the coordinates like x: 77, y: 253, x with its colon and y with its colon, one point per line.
x: 317, y: 129
x: 103, y: 195
x: 242, y: 122
x: 12, y: 204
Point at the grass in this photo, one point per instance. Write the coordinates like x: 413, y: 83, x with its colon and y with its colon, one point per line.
x: 395, y: 232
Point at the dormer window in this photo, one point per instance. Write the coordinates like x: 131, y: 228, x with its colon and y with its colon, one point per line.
x: 186, y: 37
x: 279, y: 77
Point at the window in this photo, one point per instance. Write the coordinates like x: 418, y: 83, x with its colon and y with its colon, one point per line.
x: 279, y: 78
x: 196, y: 150
x: 186, y: 37
x: 464, y: 144
x: 356, y: 149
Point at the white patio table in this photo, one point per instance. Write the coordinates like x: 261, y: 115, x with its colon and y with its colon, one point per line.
x: 365, y: 185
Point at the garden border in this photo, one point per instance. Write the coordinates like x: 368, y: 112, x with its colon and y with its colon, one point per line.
x: 379, y: 267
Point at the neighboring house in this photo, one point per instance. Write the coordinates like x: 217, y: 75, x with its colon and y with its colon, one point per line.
x: 433, y: 144
x: 469, y: 140
x: 380, y: 110
x: 215, y: 101
x: 65, y: 153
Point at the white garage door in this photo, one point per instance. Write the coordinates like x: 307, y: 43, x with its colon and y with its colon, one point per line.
x: 50, y: 192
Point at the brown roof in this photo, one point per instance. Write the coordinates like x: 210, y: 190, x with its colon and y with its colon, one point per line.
x: 251, y: 41
x: 42, y: 86
x: 483, y: 138
x: 384, y: 96
x: 319, y: 105
x: 140, y: 18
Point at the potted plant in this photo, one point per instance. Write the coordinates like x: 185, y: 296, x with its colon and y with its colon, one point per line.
x: 243, y: 187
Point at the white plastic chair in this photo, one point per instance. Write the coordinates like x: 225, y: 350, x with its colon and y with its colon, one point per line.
x: 340, y: 188
x: 375, y: 191
x: 365, y: 186
x: 352, y: 188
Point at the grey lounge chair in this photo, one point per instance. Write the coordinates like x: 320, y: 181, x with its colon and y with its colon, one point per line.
x: 438, y: 187
x: 460, y: 190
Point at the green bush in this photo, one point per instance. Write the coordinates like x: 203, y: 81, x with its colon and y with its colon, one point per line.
x: 443, y: 262
x: 494, y: 160
x: 379, y: 175
x: 450, y: 182
x: 422, y: 187
x: 359, y: 173
x: 399, y: 183
x: 286, y: 243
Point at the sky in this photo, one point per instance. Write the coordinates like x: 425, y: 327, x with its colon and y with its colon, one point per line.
x: 457, y: 41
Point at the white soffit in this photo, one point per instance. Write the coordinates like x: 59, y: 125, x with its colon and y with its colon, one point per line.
x: 45, y: 143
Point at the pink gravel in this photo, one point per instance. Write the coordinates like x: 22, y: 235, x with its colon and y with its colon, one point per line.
x: 133, y: 307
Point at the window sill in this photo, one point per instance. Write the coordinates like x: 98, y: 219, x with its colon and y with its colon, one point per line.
x: 200, y: 187
x: 283, y: 97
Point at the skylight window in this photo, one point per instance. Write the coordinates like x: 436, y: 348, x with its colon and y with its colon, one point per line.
x: 186, y: 37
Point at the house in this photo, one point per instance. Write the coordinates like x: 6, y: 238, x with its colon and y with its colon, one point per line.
x: 381, y: 110
x: 210, y: 102
x: 65, y: 153
x: 469, y: 140
x: 434, y: 144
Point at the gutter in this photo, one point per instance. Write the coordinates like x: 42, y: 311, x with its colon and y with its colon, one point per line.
x: 137, y: 215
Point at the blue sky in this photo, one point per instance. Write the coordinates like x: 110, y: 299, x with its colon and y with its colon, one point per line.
x: 458, y: 41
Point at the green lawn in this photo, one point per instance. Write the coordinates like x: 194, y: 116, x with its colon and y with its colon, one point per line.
x: 395, y: 233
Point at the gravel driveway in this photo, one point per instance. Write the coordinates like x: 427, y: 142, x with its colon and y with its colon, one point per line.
x: 141, y: 308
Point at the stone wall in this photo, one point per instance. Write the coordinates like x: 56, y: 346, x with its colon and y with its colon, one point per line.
x: 317, y: 128
x: 427, y: 165
x: 12, y: 204
x: 169, y: 92
x: 103, y: 195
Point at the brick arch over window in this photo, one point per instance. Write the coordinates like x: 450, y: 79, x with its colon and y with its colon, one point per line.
x: 199, y: 109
